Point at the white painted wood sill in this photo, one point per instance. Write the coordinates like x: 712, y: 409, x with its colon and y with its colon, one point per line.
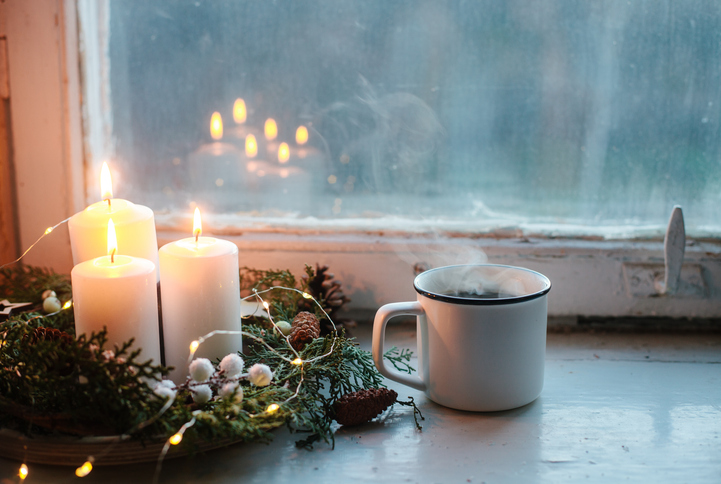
x: 615, y: 407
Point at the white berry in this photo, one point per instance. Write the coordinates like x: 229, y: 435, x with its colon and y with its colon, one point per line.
x: 284, y: 327
x: 201, y: 369
x: 202, y: 394
x: 52, y: 305
x: 48, y: 293
x: 260, y: 375
x: 232, y: 365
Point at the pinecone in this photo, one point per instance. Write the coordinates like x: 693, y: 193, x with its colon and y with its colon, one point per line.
x: 305, y: 329
x: 362, y: 406
x: 326, y: 289
x: 49, y: 334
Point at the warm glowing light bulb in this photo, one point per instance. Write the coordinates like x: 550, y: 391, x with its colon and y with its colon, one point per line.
x: 106, y: 183
x: 175, y: 439
x: 23, y: 472
x: 272, y: 408
x: 297, y: 362
x: 68, y: 304
x: 301, y: 135
x: 266, y: 305
x: 240, y: 114
x: 307, y: 296
x: 197, y: 224
x: 216, y: 126
x: 112, y: 240
x: 84, y: 469
x: 251, y: 146
x: 194, y: 346
x: 270, y: 129
x: 48, y: 230
x: 283, y: 153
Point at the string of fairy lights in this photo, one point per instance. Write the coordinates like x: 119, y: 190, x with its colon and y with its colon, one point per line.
x: 177, y: 437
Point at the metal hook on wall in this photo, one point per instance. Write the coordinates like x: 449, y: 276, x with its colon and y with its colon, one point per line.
x: 674, y: 245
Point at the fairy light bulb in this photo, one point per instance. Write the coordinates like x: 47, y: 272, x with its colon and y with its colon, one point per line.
x: 307, y: 296
x: 272, y: 408
x: 68, y: 304
x: 48, y: 230
x: 175, y: 439
x: 23, y: 472
x: 297, y: 362
x: 301, y: 135
x: 283, y: 153
x: 194, y: 346
x: 84, y: 469
x: 240, y: 113
x: 216, y: 126
x: 270, y: 129
x: 266, y: 305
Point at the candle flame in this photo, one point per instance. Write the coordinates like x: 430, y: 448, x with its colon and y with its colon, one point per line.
x: 112, y: 240
x: 271, y: 129
x: 283, y: 153
x: 240, y: 114
x: 216, y: 126
x: 106, y: 183
x: 301, y: 135
x: 197, y: 225
x: 251, y: 146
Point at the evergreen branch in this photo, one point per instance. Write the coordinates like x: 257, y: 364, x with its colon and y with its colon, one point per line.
x: 400, y: 359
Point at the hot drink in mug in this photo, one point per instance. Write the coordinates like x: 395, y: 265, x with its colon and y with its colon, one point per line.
x: 481, y: 336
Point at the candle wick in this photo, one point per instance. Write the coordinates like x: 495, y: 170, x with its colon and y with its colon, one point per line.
x: 112, y: 256
x: 108, y: 200
x: 197, y: 234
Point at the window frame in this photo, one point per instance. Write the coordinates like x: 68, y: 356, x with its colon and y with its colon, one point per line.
x: 53, y: 139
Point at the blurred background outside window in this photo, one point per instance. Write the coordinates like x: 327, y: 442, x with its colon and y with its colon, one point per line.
x: 547, y: 117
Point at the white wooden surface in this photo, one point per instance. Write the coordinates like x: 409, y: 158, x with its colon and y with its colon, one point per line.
x: 631, y: 408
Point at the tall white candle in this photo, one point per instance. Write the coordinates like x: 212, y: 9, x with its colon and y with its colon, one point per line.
x: 200, y: 291
x: 120, y: 293
x: 134, y: 224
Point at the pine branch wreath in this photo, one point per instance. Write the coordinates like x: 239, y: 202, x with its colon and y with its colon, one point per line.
x: 51, y: 381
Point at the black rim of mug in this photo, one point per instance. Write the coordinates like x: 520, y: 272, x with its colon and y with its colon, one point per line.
x: 482, y: 302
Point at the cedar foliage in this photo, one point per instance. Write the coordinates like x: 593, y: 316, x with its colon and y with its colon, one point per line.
x: 53, y: 384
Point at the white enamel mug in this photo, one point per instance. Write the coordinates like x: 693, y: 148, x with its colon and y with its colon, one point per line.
x: 481, y: 336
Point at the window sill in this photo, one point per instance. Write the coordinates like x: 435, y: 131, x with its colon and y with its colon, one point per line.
x: 614, y: 406
x: 589, y: 277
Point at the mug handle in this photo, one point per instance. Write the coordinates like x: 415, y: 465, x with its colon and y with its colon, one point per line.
x: 384, y: 314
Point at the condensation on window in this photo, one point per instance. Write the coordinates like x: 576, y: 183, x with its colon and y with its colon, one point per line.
x: 547, y: 117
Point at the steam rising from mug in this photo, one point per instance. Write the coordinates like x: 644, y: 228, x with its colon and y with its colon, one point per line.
x: 478, y: 282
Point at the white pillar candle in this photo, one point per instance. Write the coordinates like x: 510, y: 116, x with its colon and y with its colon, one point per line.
x: 120, y: 293
x: 200, y: 290
x: 134, y: 225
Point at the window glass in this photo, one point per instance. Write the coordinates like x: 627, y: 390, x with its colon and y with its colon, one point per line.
x: 548, y: 116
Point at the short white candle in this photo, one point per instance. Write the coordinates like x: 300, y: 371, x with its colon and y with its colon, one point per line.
x: 118, y: 292
x: 200, y: 290
x: 134, y: 224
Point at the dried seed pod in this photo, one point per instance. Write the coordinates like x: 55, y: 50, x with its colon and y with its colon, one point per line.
x: 305, y: 328
x: 362, y: 406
